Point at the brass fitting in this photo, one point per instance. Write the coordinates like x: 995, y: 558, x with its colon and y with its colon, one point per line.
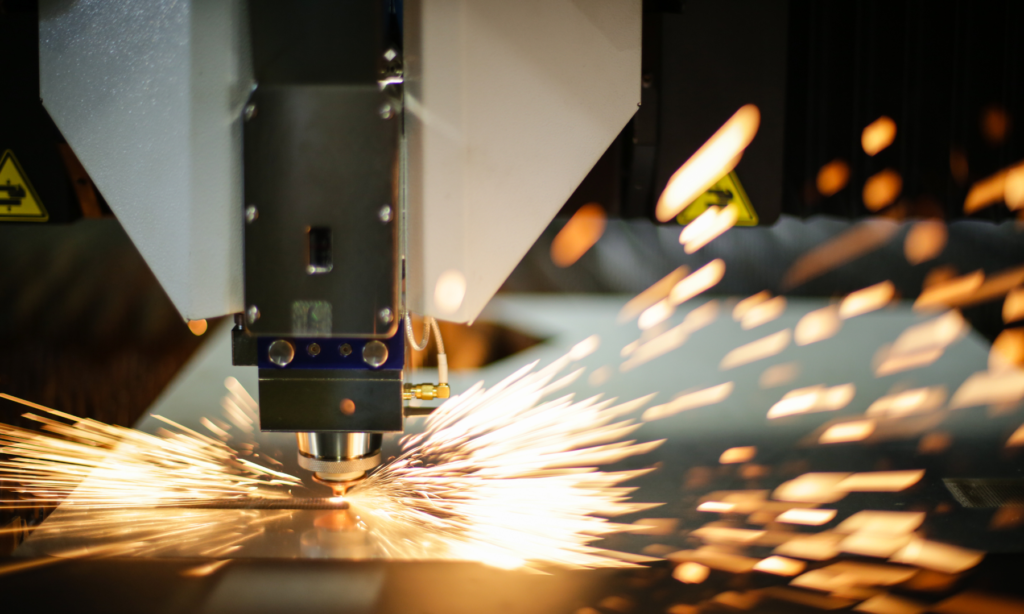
x: 426, y: 392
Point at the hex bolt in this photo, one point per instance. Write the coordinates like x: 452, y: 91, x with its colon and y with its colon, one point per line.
x: 281, y: 352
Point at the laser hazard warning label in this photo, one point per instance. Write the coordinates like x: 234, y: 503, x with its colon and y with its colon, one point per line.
x: 18, y: 199
x: 727, y: 191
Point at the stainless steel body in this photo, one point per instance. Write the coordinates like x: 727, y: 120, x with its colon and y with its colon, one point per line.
x: 337, y: 456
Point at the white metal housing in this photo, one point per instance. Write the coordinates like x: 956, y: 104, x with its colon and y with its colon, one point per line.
x: 508, y: 107
x: 149, y: 96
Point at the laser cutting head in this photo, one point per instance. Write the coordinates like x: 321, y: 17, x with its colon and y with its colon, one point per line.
x: 339, y: 459
x: 316, y: 199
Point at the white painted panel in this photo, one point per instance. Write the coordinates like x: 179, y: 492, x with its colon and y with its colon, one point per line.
x: 508, y: 107
x: 149, y: 96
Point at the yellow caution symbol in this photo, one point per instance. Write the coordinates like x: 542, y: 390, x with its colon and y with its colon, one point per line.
x: 728, y: 190
x: 18, y: 199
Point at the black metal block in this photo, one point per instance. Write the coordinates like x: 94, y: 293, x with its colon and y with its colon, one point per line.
x: 321, y: 187
x: 311, y: 400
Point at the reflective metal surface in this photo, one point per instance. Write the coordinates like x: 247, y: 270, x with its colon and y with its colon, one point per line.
x: 339, y: 446
x: 688, y: 464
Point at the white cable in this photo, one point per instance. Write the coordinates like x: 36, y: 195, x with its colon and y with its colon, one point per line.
x: 419, y: 347
x: 442, y: 358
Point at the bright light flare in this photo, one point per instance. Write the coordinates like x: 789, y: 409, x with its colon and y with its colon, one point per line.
x: 638, y: 353
x: 890, y: 604
x: 715, y: 558
x: 450, y: 291
x: 506, y: 477
x: 812, y: 546
x: 197, y: 327
x: 692, y: 400
x: 764, y: 312
x: 580, y: 233
x: 817, y: 325
x: 813, y: 399
x: 989, y: 388
x: 833, y: 177
x: 655, y: 314
x: 925, y: 241
x: 738, y: 455
x: 715, y: 158
x: 867, y: 300
x: 810, y: 517
x: 951, y: 292
x: 845, y: 432
x: 881, y: 481
x: 719, y: 507
x: 756, y: 350
x: 780, y: 566
x: 812, y: 488
x: 125, y: 467
x: 744, y: 306
x: 1013, y: 306
x: 643, y: 301
x: 1007, y: 350
x: 945, y: 558
x: 922, y: 344
x: 691, y: 573
x: 699, y: 281
x: 917, y: 400
x: 941, y: 331
x: 881, y: 189
x: 1007, y: 185
x: 878, y: 135
x: 1016, y: 438
x: 871, y: 521
x: 708, y: 226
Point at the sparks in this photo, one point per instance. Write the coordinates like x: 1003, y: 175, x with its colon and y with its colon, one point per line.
x: 503, y: 477
x: 85, y: 463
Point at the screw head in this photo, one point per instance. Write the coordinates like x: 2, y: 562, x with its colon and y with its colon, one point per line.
x: 387, y: 111
x: 345, y: 350
x: 385, y: 315
x: 281, y: 352
x: 250, y: 111
x: 313, y: 349
x: 375, y: 353
x: 251, y: 214
x: 252, y: 314
x: 385, y: 214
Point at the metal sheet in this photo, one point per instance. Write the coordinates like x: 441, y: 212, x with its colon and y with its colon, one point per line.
x: 688, y: 463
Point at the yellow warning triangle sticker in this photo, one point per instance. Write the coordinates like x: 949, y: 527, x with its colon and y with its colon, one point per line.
x: 727, y: 190
x: 18, y: 199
